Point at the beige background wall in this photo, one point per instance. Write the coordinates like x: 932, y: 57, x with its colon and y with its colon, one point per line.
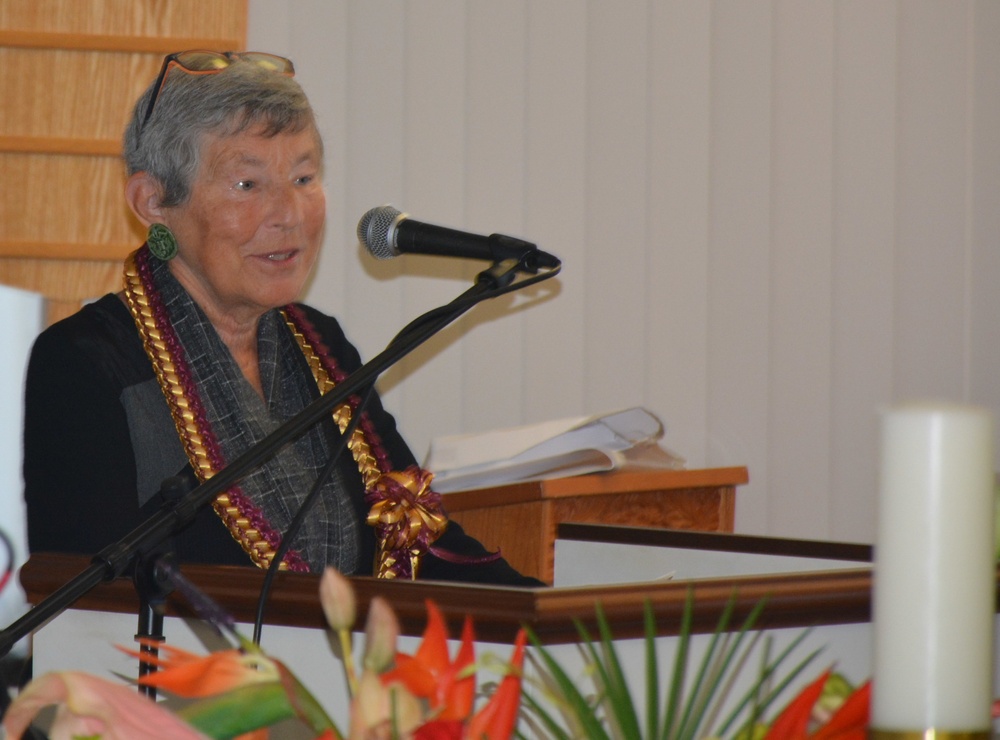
x: 775, y: 217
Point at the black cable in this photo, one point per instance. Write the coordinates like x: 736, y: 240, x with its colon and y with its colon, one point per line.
x: 300, y: 516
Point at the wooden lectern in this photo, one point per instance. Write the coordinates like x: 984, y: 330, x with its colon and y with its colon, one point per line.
x: 521, y: 520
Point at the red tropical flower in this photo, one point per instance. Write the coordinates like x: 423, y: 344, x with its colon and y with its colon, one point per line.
x: 849, y: 722
x: 448, y: 686
x: 496, y: 720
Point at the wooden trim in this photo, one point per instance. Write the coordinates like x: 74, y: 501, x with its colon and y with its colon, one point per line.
x: 792, y: 600
x: 645, y: 480
x: 60, y: 145
x: 596, y: 484
x: 62, y: 251
x: 102, y: 42
x: 715, y: 541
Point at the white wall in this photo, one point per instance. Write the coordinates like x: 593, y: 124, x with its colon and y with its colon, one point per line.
x: 775, y: 217
x: 22, y: 312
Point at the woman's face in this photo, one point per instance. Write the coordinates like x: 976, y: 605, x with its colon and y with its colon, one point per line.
x: 249, y: 235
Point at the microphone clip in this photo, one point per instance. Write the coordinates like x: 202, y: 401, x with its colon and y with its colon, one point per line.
x: 527, y: 256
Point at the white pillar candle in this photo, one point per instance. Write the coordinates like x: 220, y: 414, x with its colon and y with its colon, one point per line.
x: 934, y: 577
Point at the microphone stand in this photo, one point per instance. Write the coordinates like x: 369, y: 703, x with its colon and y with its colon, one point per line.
x: 144, y: 540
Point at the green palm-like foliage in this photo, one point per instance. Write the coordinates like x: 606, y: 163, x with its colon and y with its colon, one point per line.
x: 696, y: 703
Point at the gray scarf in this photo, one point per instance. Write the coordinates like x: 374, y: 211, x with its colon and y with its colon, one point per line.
x: 239, y: 418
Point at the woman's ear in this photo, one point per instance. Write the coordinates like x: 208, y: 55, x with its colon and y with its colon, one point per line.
x: 143, y: 193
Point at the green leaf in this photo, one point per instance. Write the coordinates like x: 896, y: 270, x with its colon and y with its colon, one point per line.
x: 765, y: 675
x: 676, y: 690
x: 256, y: 705
x: 238, y: 711
x: 690, y: 712
x: 582, y: 711
x: 713, y: 665
x: 546, y: 719
x: 652, y: 672
x: 726, y: 666
x: 618, y: 699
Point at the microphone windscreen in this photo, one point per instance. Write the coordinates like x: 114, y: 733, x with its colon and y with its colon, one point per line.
x: 374, y: 230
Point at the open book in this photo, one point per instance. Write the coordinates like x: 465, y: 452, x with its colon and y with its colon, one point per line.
x: 551, y: 449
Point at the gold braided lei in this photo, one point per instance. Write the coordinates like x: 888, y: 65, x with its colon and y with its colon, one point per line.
x: 405, y: 525
x: 250, y: 539
x: 406, y: 514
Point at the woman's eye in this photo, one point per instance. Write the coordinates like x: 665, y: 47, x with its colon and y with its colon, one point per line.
x: 245, y: 185
x: 305, y: 179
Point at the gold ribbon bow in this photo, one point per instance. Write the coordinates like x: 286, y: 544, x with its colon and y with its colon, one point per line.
x: 407, y: 516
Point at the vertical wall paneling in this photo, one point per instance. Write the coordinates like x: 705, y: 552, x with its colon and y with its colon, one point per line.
x: 555, y: 206
x: 863, y: 248
x: 932, y: 249
x: 616, y: 178
x: 321, y: 50
x: 800, y: 262
x: 434, y: 189
x: 369, y: 291
x: 493, y: 348
x: 678, y: 221
x: 984, y: 197
x: 739, y: 250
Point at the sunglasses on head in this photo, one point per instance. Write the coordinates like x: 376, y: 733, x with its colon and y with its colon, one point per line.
x: 201, y: 62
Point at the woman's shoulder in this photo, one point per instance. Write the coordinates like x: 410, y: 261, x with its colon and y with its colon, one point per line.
x: 101, y: 333
x: 106, y: 315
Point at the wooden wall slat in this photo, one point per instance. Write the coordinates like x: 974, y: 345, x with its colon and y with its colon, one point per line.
x: 64, y: 199
x: 106, y: 42
x: 60, y: 145
x: 116, y: 251
x: 193, y: 19
x: 63, y: 280
x: 77, y: 81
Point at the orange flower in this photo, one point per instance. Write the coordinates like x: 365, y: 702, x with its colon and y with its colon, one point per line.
x: 849, y: 722
x: 449, y: 686
x: 192, y: 676
x: 241, y: 691
x: 496, y: 720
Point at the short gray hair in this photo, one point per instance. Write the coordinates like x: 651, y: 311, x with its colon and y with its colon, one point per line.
x: 241, y: 96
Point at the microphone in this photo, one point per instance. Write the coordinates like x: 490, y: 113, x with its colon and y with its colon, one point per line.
x: 388, y: 233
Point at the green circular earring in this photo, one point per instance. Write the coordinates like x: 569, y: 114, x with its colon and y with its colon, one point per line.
x: 161, y: 242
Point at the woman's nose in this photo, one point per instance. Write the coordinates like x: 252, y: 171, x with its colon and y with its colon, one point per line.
x: 286, y: 206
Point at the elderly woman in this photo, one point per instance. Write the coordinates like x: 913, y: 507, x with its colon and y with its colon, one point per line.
x: 205, y: 352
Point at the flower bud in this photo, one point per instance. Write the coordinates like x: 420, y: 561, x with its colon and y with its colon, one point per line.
x: 381, y: 631
x: 337, y: 597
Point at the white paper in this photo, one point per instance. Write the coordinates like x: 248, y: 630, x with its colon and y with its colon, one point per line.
x: 550, y: 449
